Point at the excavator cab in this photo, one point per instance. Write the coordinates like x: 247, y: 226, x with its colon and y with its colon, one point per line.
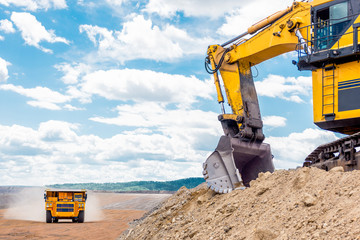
x: 329, y: 23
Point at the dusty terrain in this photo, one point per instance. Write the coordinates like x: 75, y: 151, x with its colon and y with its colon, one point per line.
x: 307, y: 203
x: 107, y: 216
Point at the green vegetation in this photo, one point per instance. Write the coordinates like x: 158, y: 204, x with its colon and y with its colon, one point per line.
x: 134, y: 186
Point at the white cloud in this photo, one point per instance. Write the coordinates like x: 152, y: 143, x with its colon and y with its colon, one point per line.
x: 52, y: 151
x: 140, y: 39
x: 54, y: 131
x: 4, y: 73
x: 6, y: 26
x: 240, y: 19
x: 34, y: 5
x: 43, y: 97
x: 44, y: 105
x: 196, y: 8
x: 56, y: 153
x: 189, y: 132
x: 146, y: 85
x: 126, y: 85
x: 292, y: 150
x: 72, y: 72
x: 33, y: 32
x: 78, y: 94
x: 147, y: 115
x: 289, y: 88
x: 274, y: 121
x: 72, y: 108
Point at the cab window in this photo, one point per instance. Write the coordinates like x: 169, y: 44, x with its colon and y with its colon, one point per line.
x: 330, y: 23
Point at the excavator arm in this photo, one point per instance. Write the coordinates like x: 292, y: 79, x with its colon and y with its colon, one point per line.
x: 280, y: 33
x: 241, y: 154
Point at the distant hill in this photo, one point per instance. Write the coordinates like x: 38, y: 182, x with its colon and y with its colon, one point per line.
x: 136, y: 186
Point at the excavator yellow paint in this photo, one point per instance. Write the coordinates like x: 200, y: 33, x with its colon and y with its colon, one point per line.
x: 326, y: 93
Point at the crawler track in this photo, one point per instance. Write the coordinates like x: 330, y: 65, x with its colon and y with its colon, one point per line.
x: 341, y: 152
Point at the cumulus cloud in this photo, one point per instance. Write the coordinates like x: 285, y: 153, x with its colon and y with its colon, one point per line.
x: 194, y: 126
x: 34, y: 5
x: 146, y: 85
x: 42, y: 97
x: 126, y: 85
x: 274, y: 121
x: 52, y: 151
x: 291, y: 151
x: 128, y: 115
x: 140, y: 39
x: 289, y: 88
x: 196, y: 8
x: 72, y: 71
x: 6, y: 26
x: 240, y: 19
x: 4, y: 73
x: 55, y: 131
x: 33, y: 32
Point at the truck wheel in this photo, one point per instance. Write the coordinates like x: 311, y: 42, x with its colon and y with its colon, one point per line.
x: 81, y: 217
x: 48, y: 217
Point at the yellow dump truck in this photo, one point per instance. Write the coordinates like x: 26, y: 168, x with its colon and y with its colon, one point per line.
x: 65, y: 204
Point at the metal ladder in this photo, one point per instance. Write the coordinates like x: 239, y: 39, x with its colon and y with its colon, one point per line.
x: 327, y: 84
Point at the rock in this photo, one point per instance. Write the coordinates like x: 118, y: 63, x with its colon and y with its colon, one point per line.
x: 262, y: 190
x: 309, y: 200
x: 337, y: 169
x: 200, y: 200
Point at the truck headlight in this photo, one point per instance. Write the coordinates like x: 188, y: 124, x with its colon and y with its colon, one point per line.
x: 47, y: 205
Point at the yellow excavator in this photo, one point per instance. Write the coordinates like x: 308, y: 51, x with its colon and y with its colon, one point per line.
x: 325, y: 34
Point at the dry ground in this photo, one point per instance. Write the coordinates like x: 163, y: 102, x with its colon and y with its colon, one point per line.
x: 107, y: 218
x: 302, y: 204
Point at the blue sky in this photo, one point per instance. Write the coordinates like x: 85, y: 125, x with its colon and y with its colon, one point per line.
x: 116, y: 90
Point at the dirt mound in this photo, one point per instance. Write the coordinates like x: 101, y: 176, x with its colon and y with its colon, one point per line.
x: 307, y: 203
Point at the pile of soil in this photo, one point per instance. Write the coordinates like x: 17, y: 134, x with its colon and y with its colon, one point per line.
x: 307, y: 203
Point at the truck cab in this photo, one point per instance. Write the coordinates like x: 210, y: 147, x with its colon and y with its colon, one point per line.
x: 65, y: 204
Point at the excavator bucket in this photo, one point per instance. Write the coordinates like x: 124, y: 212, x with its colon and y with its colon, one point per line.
x: 235, y: 163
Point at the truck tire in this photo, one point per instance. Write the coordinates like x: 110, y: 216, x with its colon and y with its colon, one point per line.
x: 48, y: 217
x: 81, y: 217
